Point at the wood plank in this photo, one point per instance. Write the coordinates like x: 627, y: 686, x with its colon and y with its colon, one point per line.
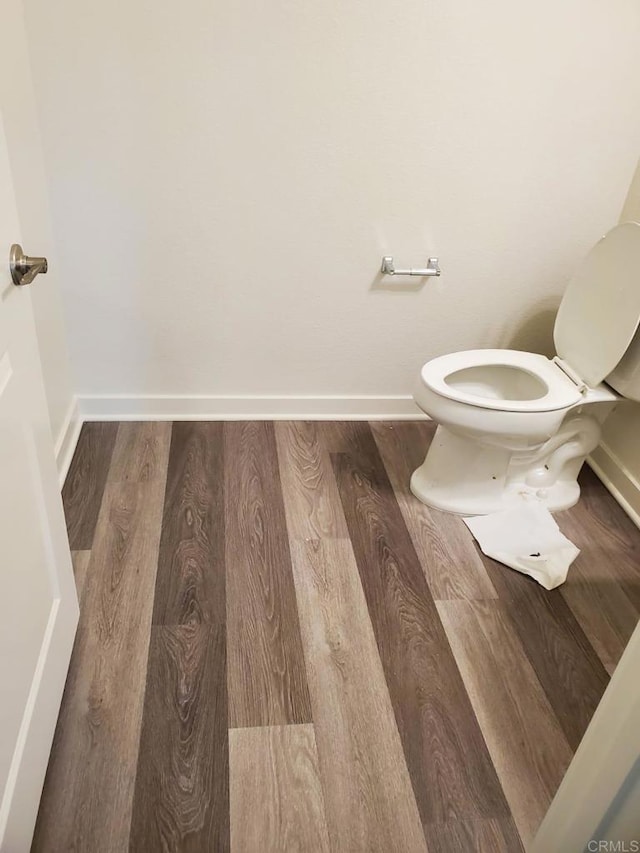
x: 266, y: 675
x: 337, y: 436
x: 603, y: 585
x: 311, y: 499
x: 181, y: 797
x: 353, y: 438
x: 602, y: 529
x: 276, y: 796
x: 80, y: 560
x: 526, y: 742
x: 190, y: 584
x: 85, y: 482
x: 139, y: 454
x: 450, y: 767
x: 442, y: 542
x: 566, y: 664
x: 88, y: 792
x: 370, y: 805
x: 601, y: 606
x: 492, y: 835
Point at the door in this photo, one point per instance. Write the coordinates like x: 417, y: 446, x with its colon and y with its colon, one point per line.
x: 38, y: 603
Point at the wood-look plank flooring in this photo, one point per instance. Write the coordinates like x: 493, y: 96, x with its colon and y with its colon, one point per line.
x: 80, y: 561
x: 181, y: 799
x: 96, y: 743
x: 83, y: 488
x: 442, y: 740
x: 190, y: 583
x: 276, y: 796
x: 369, y: 800
x: 280, y: 649
x: 267, y: 679
x: 447, y: 554
x: 524, y: 737
x: 604, y: 591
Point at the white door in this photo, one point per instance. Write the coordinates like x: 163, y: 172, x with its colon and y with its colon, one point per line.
x: 38, y: 603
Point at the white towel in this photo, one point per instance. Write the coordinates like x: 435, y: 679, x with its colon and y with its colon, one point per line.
x: 526, y: 538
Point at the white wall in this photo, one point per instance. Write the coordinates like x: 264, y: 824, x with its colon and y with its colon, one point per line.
x: 25, y: 153
x: 225, y: 178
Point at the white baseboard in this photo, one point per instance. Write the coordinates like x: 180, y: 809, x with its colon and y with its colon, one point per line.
x: 67, y: 439
x: 122, y: 408
x: 622, y: 484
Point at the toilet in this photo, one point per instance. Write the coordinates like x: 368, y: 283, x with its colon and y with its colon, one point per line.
x: 514, y: 424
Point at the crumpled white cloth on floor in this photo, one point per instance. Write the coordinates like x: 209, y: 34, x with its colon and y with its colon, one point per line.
x: 526, y: 538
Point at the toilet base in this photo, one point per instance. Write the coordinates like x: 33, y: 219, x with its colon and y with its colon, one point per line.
x: 462, y: 476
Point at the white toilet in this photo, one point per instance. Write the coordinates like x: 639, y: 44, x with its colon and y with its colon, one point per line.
x: 516, y: 423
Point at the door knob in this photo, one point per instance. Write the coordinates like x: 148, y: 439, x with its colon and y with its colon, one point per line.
x: 23, y: 268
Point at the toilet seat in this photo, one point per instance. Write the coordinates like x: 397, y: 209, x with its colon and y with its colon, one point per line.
x: 601, y: 303
x: 507, y: 380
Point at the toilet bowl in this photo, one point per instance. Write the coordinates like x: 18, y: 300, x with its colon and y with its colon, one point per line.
x: 514, y: 424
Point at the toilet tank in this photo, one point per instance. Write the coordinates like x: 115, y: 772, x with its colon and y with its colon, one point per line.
x: 625, y: 379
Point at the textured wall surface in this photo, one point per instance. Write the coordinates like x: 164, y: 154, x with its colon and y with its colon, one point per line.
x: 225, y: 178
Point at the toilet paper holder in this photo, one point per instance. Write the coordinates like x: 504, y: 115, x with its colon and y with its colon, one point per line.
x: 388, y: 268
